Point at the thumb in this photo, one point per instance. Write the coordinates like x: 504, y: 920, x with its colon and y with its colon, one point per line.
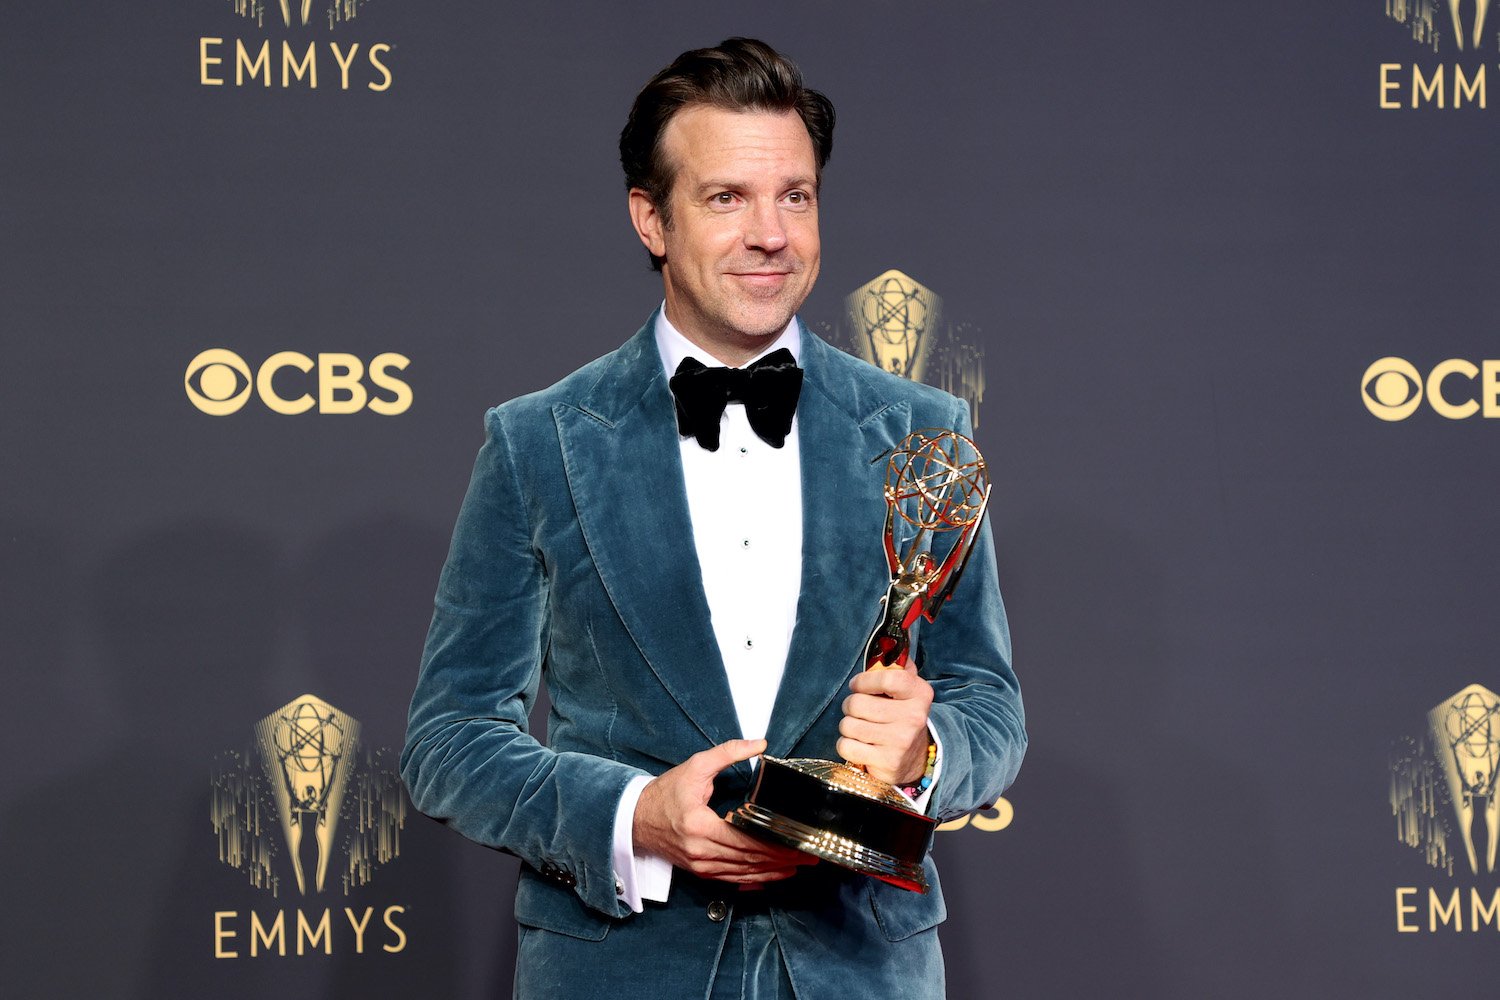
x: 716, y: 759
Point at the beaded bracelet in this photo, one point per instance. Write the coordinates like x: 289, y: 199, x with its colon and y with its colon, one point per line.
x: 925, y: 782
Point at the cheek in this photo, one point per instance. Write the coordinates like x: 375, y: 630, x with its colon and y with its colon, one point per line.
x: 702, y: 245
x: 806, y: 237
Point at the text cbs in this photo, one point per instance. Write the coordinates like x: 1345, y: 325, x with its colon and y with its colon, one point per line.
x: 219, y: 382
x: 1393, y: 388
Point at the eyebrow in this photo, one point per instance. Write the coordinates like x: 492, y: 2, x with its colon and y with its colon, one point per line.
x: 795, y: 182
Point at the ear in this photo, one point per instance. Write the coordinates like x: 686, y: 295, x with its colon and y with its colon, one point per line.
x: 647, y: 222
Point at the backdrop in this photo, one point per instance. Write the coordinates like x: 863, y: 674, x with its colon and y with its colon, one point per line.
x: 1220, y: 280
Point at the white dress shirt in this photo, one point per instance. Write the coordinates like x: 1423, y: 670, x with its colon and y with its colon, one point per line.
x: 745, y: 501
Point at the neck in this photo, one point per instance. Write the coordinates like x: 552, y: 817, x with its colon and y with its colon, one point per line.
x: 727, y: 347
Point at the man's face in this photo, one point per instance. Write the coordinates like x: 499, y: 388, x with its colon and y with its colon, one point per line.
x: 742, y: 250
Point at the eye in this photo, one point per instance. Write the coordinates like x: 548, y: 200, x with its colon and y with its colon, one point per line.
x: 723, y: 198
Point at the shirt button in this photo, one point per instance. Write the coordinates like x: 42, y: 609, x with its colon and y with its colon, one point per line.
x: 718, y: 910
x: 744, y: 543
x: 749, y: 643
x: 744, y: 450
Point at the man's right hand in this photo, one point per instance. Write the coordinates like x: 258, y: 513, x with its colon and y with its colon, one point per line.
x: 673, y: 821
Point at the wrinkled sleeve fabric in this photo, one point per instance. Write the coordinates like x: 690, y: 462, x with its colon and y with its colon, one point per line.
x: 469, y: 759
x: 976, y: 715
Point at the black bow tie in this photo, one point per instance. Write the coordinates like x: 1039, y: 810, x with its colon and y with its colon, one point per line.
x: 769, y: 389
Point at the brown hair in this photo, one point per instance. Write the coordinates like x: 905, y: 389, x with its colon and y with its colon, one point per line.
x: 738, y: 74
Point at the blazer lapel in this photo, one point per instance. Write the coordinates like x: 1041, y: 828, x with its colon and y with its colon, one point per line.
x: 624, y: 468
x: 842, y: 426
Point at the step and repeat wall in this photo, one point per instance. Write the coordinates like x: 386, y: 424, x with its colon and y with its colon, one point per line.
x: 1219, y: 281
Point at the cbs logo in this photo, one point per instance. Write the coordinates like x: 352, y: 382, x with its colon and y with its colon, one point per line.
x: 219, y: 383
x: 997, y: 817
x: 1393, y: 388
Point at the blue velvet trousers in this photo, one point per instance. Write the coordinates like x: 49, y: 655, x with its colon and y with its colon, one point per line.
x: 751, y: 966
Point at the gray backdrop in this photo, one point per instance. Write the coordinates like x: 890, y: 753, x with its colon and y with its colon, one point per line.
x: 1180, y: 232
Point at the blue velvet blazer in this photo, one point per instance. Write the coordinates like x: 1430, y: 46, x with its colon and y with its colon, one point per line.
x: 572, y: 564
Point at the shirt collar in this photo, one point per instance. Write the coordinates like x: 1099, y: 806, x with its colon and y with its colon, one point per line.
x: 673, y: 346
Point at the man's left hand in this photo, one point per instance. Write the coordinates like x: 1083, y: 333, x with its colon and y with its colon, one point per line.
x: 884, y: 729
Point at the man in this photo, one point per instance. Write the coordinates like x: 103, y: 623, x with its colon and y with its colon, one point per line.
x: 694, y: 580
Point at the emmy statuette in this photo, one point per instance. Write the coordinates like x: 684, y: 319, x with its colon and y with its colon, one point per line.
x: 936, y: 481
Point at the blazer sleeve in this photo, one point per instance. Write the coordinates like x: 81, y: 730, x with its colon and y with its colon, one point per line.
x: 966, y: 655
x: 469, y: 759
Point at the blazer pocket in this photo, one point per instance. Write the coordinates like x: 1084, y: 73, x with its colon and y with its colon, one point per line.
x: 551, y: 907
x: 901, y: 913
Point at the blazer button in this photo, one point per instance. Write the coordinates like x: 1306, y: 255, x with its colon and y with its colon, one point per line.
x: 717, y: 911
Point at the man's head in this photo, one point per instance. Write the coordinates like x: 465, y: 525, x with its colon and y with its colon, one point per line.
x: 723, y: 156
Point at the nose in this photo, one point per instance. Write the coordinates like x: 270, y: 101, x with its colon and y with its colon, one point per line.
x: 764, y: 229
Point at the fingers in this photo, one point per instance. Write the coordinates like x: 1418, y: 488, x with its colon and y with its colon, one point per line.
x: 727, y: 853
x: 747, y: 856
x: 888, y: 764
x: 885, y: 711
x: 673, y: 820
x: 732, y: 841
x: 861, y: 730
x: 899, y: 684
x: 715, y: 759
x: 751, y: 880
x: 886, y: 736
x: 888, y: 697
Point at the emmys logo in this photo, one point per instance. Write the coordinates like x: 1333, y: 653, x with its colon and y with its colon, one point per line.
x: 305, y: 804
x: 896, y: 323
x: 1443, y: 799
x: 219, y: 382
x: 1393, y: 389
x: 299, y: 10
x: 298, y: 63
x: 1450, y: 85
x: 1422, y: 17
x: 1475, y: 10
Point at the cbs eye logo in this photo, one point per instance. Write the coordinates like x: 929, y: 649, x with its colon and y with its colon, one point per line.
x: 219, y: 382
x: 1393, y: 388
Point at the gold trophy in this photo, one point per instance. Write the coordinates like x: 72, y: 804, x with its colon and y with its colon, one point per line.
x: 936, y: 481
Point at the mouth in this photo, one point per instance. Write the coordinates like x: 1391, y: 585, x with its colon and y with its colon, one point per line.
x: 761, y: 279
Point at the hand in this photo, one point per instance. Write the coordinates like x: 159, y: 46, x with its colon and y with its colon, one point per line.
x: 672, y: 820
x: 884, y: 729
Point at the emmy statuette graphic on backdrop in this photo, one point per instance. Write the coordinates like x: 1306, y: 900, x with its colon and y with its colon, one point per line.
x: 936, y: 481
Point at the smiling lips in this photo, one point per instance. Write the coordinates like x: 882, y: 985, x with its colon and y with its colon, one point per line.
x: 763, y: 276
x: 762, y: 281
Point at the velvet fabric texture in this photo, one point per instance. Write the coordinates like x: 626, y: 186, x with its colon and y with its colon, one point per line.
x: 572, y: 564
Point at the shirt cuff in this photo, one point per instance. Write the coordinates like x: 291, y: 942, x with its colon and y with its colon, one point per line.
x: 920, y: 802
x: 637, y: 876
